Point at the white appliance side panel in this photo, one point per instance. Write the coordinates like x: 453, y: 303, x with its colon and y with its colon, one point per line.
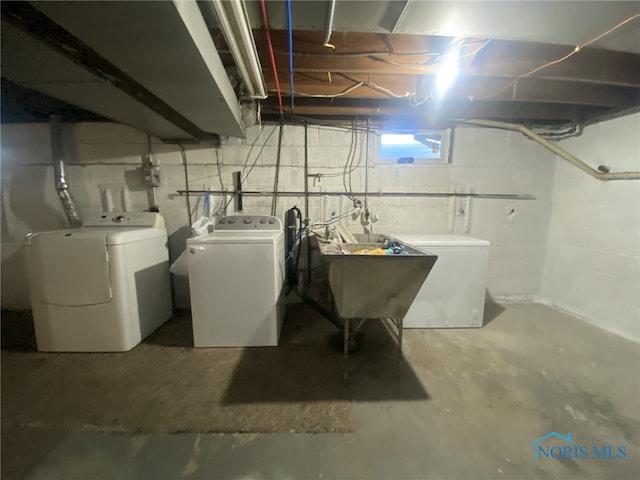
x: 233, y: 300
x: 280, y: 274
x: 454, y: 293
x: 146, y: 269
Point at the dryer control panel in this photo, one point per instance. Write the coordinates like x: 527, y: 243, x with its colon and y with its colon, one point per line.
x: 126, y: 219
x: 248, y: 222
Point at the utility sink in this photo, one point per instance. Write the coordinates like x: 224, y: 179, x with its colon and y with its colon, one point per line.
x: 374, y: 286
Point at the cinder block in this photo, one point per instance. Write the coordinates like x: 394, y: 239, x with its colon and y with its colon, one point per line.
x: 24, y: 133
x: 21, y: 154
x: 110, y: 153
x: 108, y: 133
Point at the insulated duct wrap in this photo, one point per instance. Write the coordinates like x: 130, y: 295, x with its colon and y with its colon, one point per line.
x: 62, y: 188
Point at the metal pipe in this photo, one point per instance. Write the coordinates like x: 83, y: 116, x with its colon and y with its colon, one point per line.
x: 290, y: 30
x: 327, y: 36
x: 306, y: 194
x: 556, y: 149
x: 306, y: 174
x: 366, y: 173
x: 59, y: 175
x: 258, y: 193
x: 186, y: 182
x: 274, y: 201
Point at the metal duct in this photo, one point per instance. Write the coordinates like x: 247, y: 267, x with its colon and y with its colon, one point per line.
x: 64, y: 194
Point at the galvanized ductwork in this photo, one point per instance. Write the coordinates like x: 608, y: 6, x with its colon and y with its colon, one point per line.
x: 62, y: 188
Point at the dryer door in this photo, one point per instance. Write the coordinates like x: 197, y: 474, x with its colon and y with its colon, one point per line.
x: 70, y: 269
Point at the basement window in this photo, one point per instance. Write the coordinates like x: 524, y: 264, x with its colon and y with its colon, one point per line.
x: 409, y: 147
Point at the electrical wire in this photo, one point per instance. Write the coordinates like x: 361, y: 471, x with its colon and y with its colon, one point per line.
x: 389, y: 93
x: 221, y: 206
x: 334, y: 95
x: 349, y: 162
x: 563, y: 58
x: 243, y: 177
x: 346, y: 91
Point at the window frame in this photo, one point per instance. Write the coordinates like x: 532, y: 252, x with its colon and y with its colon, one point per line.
x: 444, y: 147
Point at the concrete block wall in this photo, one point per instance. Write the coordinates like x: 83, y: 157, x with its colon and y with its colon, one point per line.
x: 592, y: 266
x: 105, y: 156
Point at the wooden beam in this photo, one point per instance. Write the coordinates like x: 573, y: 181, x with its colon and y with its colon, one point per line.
x: 465, y: 88
x: 498, y: 58
x: 526, y: 112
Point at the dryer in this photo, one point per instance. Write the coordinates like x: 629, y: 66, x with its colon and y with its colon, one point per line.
x: 236, y: 278
x: 102, y: 287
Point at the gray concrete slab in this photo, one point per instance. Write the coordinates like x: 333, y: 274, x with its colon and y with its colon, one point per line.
x: 487, y: 394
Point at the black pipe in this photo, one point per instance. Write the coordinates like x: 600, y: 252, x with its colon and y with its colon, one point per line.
x: 276, y: 180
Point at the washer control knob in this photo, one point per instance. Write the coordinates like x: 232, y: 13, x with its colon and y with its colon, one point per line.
x: 272, y: 221
x: 263, y: 220
x: 247, y: 220
x: 232, y: 220
x: 223, y: 221
x: 118, y: 219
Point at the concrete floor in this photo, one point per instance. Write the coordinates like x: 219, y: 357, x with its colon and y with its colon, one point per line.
x: 487, y: 394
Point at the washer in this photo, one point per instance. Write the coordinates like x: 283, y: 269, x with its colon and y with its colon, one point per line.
x: 102, y: 287
x: 236, y: 276
x: 453, y: 294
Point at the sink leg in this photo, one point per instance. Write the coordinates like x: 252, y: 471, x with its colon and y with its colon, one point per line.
x: 400, y: 329
x: 346, y: 348
x: 346, y: 338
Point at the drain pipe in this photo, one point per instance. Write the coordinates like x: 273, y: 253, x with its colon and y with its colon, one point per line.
x: 62, y: 188
x: 575, y: 161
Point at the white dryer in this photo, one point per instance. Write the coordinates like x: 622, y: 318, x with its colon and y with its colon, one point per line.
x: 236, y: 278
x: 453, y: 295
x: 102, y: 287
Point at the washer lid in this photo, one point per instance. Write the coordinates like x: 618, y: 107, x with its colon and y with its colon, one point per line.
x: 430, y: 240
x: 112, y: 236
x: 237, y: 237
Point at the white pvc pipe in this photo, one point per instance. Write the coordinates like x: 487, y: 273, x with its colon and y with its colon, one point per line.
x: 557, y: 150
x: 233, y: 19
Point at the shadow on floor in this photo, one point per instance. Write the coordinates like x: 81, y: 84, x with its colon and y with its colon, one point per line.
x: 492, y: 309
x: 17, y: 331
x: 177, y: 332
x: 307, y: 367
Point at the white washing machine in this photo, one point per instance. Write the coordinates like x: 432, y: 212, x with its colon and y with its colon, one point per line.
x: 102, y: 287
x: 236, y: 277
x: 454, y: 293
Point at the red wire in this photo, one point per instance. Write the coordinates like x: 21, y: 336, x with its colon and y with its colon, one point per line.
x: 271, y: 54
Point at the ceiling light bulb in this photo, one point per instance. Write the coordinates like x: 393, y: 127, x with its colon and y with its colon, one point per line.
x: 447, y: 73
